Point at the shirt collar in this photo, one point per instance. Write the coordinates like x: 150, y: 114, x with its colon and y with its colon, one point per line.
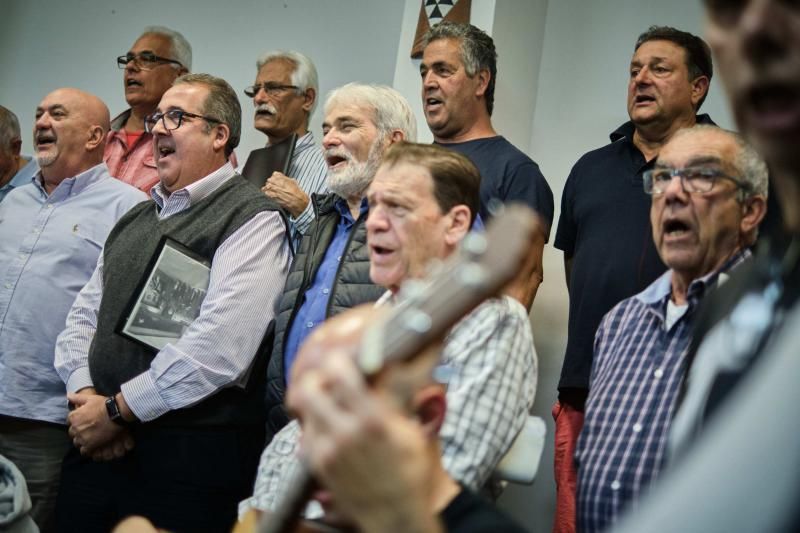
x: 75, y: 184
x: 343, y: 208
x: 303, y: 143
x: 626, y: 130
x: 661, y: 289
x: 197, y: 190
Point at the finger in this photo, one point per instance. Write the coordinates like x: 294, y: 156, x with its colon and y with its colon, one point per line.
x: 78, y: 399
x: 128, y: 442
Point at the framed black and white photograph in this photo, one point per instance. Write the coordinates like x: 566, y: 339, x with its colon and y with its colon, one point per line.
x: 169, y: 298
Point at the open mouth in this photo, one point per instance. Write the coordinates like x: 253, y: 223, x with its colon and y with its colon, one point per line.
x: 675, y: 228
x: 643, y: 99
x: 380, y: 251
x: 164, y: 151
x: 130, y: 82
x: 44, y: 141
x: 432, y: 102
x: 775, y: 106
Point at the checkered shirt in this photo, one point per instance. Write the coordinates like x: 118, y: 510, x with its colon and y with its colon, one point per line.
x: 489, y: 395
x: 637, y: 372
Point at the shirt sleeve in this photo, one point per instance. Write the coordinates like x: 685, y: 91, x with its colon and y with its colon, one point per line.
x: 72, y: 344
x: 567, y: 230
x: 491, y: 390
x: 277, y: 466
x: 527, y: 185
x: 247, y: 277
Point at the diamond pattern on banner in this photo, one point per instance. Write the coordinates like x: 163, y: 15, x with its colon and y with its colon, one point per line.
x: 438, y: 9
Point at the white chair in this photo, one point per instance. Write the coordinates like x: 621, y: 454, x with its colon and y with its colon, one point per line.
x: 521, y: 462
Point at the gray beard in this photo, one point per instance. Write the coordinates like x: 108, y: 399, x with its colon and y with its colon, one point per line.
x: 356, y: 177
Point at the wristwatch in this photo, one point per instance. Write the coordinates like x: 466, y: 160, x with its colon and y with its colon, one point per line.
x: 114, y: 413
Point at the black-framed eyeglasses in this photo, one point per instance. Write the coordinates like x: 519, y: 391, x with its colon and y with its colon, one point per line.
x: 693, y: 179
x: 144, y: 60
x: 172, y: 119
x: 272, y: 89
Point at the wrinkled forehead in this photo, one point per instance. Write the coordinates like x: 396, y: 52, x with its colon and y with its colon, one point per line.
x: 701, y: 148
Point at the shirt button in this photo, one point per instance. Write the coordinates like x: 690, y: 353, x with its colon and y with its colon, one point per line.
x: 637, y: 427
x: 36, y: 231
x: 658, y: 373
x: 339, y: 259
x: 615, y: 485
x: 22, y: 256
x: 325, y: 291
x: 8, y: 285
x: 49, y: 206
x: 309, y: 324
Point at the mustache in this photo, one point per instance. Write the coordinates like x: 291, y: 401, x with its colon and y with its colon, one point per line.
x: 339, y: 152
x: 269, y: 108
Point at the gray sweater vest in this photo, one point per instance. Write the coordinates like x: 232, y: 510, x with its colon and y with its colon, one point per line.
x: 129, y: 250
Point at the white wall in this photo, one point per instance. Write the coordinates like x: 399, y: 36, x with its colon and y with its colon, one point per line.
x: 49, y: 44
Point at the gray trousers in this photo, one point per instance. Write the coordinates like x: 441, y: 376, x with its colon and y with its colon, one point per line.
x: 37, y: 448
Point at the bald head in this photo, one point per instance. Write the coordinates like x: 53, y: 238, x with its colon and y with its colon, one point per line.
x: 69, y: 133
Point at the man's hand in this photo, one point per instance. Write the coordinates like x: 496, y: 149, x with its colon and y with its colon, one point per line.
x: 116, y: 448
x: 372, y: 458
x: 287, y: 193
x: 89, y: 425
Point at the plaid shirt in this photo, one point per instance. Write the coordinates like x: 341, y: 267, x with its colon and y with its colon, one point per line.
x: 636, y: 376
x: 491, y: 389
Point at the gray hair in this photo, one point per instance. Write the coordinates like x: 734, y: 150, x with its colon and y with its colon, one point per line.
x: 304, y: 75
x: 391, y: 109
x: 477, y: 51
x: 9, y: 128
x: 749, y: 165
x: 221, y: 104
x: 181, y: 49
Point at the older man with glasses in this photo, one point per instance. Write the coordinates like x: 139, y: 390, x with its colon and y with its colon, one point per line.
x: 177, y: 425
x: 154, y: 61
x: 708, y: 194
x: 284, y: 97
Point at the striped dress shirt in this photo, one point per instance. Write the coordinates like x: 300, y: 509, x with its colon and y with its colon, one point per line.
x: 639, y: 365
x: 248, y: 272
x: 309, y: 169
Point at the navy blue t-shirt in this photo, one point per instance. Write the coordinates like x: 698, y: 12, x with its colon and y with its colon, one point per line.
x: 507, y: 175
x: 605, y: 227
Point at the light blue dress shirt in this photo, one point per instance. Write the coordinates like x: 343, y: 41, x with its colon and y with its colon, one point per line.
x: 23, y: 177
x: 48, y: 250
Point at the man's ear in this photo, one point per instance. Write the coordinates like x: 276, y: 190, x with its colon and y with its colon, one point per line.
x: 223, y: 133
x: 484, y: 77
x: 460, y: 223
x: 430, y: 406
x: 753, y: 211
x: 396, y: 136
x: 699, y: 89
x: 96, y: 137
x: 16, y: 147
x: 309, y: 96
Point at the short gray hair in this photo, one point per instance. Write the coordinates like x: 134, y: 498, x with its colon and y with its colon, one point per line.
x: 477, y: 51
x: 181, y: 49
x: 749, y: 165
x: 390, y: 108
x: 221, y: 104
x: 304, y: 75
x: 9, y: 128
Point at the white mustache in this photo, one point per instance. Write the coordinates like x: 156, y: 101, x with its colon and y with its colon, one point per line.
x: 269, y: 108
